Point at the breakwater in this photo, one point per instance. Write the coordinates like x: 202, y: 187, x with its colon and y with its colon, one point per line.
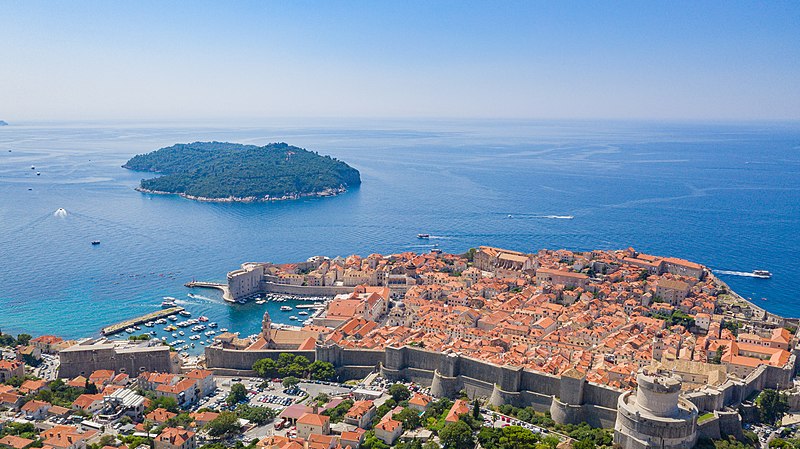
x: 121, y: 326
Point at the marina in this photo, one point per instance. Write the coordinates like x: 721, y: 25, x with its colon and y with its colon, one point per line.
x: 133, y: 322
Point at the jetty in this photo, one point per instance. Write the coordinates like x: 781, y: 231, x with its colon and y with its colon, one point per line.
x: 226, y: 293
x: 119, y: 327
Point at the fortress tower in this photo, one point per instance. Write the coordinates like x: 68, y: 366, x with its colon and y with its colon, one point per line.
x: 656, y: 416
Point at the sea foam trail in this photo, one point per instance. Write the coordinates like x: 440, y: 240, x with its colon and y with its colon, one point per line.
x: 736, y: 273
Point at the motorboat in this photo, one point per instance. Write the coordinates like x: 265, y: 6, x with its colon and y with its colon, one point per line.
x: 763, y: 274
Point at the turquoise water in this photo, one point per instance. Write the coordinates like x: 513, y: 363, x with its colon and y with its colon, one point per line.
x: 727, y: 196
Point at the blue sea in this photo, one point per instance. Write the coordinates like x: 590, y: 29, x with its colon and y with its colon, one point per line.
x: 724, y: 195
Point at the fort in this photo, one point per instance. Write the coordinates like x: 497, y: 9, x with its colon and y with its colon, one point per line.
x: 121, y: 356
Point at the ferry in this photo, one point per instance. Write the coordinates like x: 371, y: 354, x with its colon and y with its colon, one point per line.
x: 763, y: 274
x: 285, y: 308
x: 423, y: 236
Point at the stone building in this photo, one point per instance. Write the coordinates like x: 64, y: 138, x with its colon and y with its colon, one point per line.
x: 656, y: 415
x: 246, y: 281
x: 127, y: 357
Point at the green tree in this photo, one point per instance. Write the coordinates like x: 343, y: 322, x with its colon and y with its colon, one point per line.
x: 164, y: 402
x: 457, y: 435
x: 322, y: 370
x: 476, y: 409
x: 399, y: 392
x: 90, y: 387
x: 224, y: 425
x: 266, y: 368
x: 255, y: 414
x: 291, y: 381
x: 23, y: 339
x: 238, y: 394
x: 772, y: 405
x: 410, y: 418
x: 516, y: 437
x: 373, y: 442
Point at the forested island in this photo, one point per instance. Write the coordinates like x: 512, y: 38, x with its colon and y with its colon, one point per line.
x: 221, y: 171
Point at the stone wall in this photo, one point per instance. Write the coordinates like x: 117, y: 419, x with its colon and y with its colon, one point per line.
x: 219, y: 358
x: 304, y: 290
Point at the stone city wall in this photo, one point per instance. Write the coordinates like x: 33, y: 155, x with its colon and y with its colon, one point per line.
x: 302, y: 290
x: 232, y: 359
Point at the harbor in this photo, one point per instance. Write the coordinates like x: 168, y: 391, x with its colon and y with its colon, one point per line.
x: 120, y: 327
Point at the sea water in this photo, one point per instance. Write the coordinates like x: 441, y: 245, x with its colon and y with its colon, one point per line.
x: 724, y: 195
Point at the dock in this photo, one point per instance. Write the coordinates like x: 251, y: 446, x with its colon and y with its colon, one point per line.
x: 310, y: 306
x: 119, y: 327
x: 226, y: 293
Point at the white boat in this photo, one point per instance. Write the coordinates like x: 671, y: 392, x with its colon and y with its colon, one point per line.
x: 161, y: 321
x: 294, y: 318
x: 149, y: 324
x: 210, y: 333
x: 173, y: 318
x: 174, y: 335
x: 212, y: 324
x: 194, y: 337
x: 185, y: 313
x: 423, y: 236
x: 763, y: 274
x: 181, y: 333
x: 130, y: 330
x: 302, y: 312
x: 260, y: 301
x: 285, y: 308
x: 224, y: 329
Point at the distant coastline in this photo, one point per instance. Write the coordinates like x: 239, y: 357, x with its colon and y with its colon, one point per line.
x: 3, y: 123
x: 249, y: 199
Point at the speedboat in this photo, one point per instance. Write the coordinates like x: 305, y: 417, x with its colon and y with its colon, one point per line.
x: 302, y: 312
x: 285, y: 308
x: 203, y: 318
x: 167, y: 304
x: 185, y: 313
x: 173, y: 318
x: 95, y: 242
x: 212, y: 324
x: 224, y: 329
x: 293, y: 318
x: 260, y: 301
x: 763, y: 274
x: 130, y: 330
x: 423, y: 236
x: 181, y: 333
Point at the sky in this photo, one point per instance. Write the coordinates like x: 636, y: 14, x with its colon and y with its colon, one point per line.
x: 172, y: 60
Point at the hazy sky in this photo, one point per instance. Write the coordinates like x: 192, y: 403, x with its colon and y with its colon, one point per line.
x: 377, y: 58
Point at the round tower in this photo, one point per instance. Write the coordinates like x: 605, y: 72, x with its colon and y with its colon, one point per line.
x: 656, y: 415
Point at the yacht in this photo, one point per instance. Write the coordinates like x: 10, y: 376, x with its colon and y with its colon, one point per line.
x: 185, y: 313
x: 293, y: 318
x: 285, y: 308
x: 167, y: 304
x: 763, y: 274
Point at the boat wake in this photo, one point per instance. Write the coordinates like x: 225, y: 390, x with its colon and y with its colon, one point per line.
x: 541, y: 217
x: 736, y: 273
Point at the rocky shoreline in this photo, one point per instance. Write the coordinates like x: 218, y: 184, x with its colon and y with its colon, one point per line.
x: 249, y: 199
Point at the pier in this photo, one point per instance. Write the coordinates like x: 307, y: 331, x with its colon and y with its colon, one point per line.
x: 119, y: 327
x: 226, y: 293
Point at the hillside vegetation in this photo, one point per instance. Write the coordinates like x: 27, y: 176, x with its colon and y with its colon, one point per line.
x: 235, y: 172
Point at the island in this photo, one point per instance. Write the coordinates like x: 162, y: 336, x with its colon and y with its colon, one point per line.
x: 231, y: 172
x: 3, y: 123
